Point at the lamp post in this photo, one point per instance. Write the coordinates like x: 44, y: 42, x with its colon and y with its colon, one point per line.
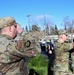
x: 29, y: 21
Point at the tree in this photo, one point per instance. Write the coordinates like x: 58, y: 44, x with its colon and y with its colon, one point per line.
x: 43, y: 21
x: 68, y: 24
x: 56, y: 29
x: 47, y: 30
x: 65, y: 28
x: 34, y: 27
x: 51, y: 30
x: 26, y: 28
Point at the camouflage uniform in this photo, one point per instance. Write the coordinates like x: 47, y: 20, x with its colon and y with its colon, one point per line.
x: 72, y: 56
x: 21, y: 37
x: 27, y: 36
x: 11, y: 57
x: 61, y: 66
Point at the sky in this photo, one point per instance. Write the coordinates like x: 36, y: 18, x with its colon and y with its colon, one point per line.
x: 54, y: 9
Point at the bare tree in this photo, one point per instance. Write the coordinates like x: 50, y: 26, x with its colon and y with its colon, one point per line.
x: 47, y: 30
x: 26, y: 28
x: 73, y: 25
x: 68, y: 24
x: 43, y: 21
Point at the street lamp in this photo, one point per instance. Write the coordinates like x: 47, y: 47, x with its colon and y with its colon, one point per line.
x: 29, y: 21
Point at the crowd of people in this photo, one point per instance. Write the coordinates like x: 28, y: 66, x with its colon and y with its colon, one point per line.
x: 16, y: 45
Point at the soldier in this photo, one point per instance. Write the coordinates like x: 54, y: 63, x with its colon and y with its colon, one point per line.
x: 13, y: 51
x: 61, y: 66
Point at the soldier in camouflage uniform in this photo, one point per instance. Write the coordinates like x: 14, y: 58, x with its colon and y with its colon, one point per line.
x: 13, y: 51
x: 61, y: 66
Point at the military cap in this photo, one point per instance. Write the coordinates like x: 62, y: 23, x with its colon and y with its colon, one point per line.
x: 7, y: 21
x: 62, y: 32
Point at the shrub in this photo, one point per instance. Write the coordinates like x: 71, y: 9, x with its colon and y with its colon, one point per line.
x: 39, y: 64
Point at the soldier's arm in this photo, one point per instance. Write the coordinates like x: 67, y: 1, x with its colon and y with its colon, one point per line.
x: 71, y: 47
x: 30, y: 48
x: 68, y: 47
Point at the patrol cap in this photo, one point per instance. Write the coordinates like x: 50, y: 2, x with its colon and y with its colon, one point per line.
x: 7, y: 21
x: 62, y: 32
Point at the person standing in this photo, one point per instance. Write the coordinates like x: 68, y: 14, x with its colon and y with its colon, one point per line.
x: 12, y: 51
x: 61, y: 66
x: 51, y: 56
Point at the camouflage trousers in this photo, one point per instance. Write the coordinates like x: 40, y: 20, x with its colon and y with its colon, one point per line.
x: 62, y: 73
x: 72, y: 55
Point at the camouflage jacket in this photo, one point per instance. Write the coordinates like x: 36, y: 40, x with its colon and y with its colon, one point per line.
x: 30, y: 37
x: 11, y: 59
x: 62, y: 56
